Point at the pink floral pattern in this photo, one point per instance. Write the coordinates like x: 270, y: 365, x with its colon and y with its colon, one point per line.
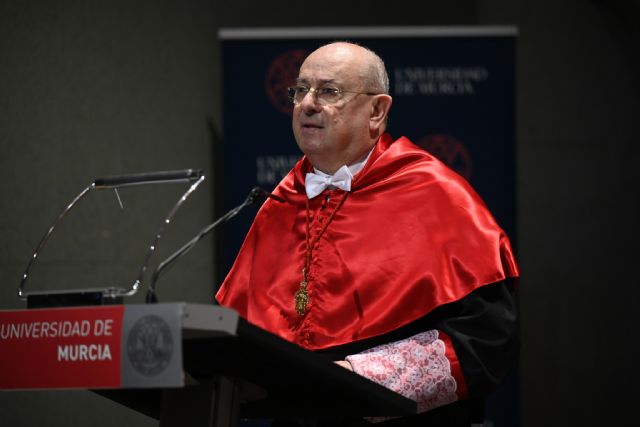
x: 415, y: 367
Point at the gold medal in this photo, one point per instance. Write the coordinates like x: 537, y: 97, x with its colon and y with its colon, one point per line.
x: 302, y: 298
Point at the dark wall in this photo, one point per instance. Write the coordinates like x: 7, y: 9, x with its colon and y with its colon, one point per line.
x: 579, y: 103
x: 91, y: 88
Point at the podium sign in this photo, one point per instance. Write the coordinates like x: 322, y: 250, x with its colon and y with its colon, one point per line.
x: 137, y: 346
x: 137, y: 355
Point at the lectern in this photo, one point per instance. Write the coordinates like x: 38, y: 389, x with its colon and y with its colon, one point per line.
x: 184, y: 364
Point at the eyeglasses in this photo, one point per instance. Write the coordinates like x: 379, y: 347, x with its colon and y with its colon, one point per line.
x: 324, y: 95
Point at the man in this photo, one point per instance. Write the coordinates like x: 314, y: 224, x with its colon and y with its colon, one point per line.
x: 381, y: 257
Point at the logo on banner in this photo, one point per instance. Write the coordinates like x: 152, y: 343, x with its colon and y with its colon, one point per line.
x: 150, y: 345
x: 283, y: 73
x: 449, y: 151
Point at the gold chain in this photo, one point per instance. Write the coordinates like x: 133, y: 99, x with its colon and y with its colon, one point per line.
x: 301, y: 296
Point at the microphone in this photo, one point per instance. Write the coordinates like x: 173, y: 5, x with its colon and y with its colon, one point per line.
x: 254, y: 195
x: 257, y: 191
x: 186, y: 175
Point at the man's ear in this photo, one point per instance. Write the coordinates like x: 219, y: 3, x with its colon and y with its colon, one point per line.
x: 379, y: 111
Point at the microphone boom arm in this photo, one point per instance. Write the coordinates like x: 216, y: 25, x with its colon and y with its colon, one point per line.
x: 252, y: 197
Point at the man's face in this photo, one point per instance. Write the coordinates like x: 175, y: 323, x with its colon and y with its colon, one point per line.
x: 333, y: 133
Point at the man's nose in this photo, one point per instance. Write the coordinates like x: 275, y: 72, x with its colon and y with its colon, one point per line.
x: 310, y: 104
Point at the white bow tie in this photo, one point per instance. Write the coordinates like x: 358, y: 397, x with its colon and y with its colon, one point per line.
x: 315, y: 183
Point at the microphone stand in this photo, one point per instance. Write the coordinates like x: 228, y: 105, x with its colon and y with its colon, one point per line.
x: 252, y: 198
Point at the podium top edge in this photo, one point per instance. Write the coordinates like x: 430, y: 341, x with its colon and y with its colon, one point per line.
x: 241, y: 33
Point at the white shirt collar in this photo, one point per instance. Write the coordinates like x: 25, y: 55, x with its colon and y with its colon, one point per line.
x: 316, y: 182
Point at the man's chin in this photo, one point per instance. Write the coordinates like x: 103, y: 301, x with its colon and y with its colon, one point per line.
x: 311, y: 145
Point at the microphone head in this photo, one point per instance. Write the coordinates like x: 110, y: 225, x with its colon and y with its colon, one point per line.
x: 258, y: 192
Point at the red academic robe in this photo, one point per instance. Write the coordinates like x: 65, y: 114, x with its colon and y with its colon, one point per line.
x: 411, y: 236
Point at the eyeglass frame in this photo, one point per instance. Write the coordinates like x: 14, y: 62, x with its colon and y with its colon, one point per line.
x: 292, y: 95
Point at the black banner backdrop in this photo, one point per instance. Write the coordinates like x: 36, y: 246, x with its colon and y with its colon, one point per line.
x: 453, y: 95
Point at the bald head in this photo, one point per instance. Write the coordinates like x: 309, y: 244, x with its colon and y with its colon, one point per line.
x: 367, y: 66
